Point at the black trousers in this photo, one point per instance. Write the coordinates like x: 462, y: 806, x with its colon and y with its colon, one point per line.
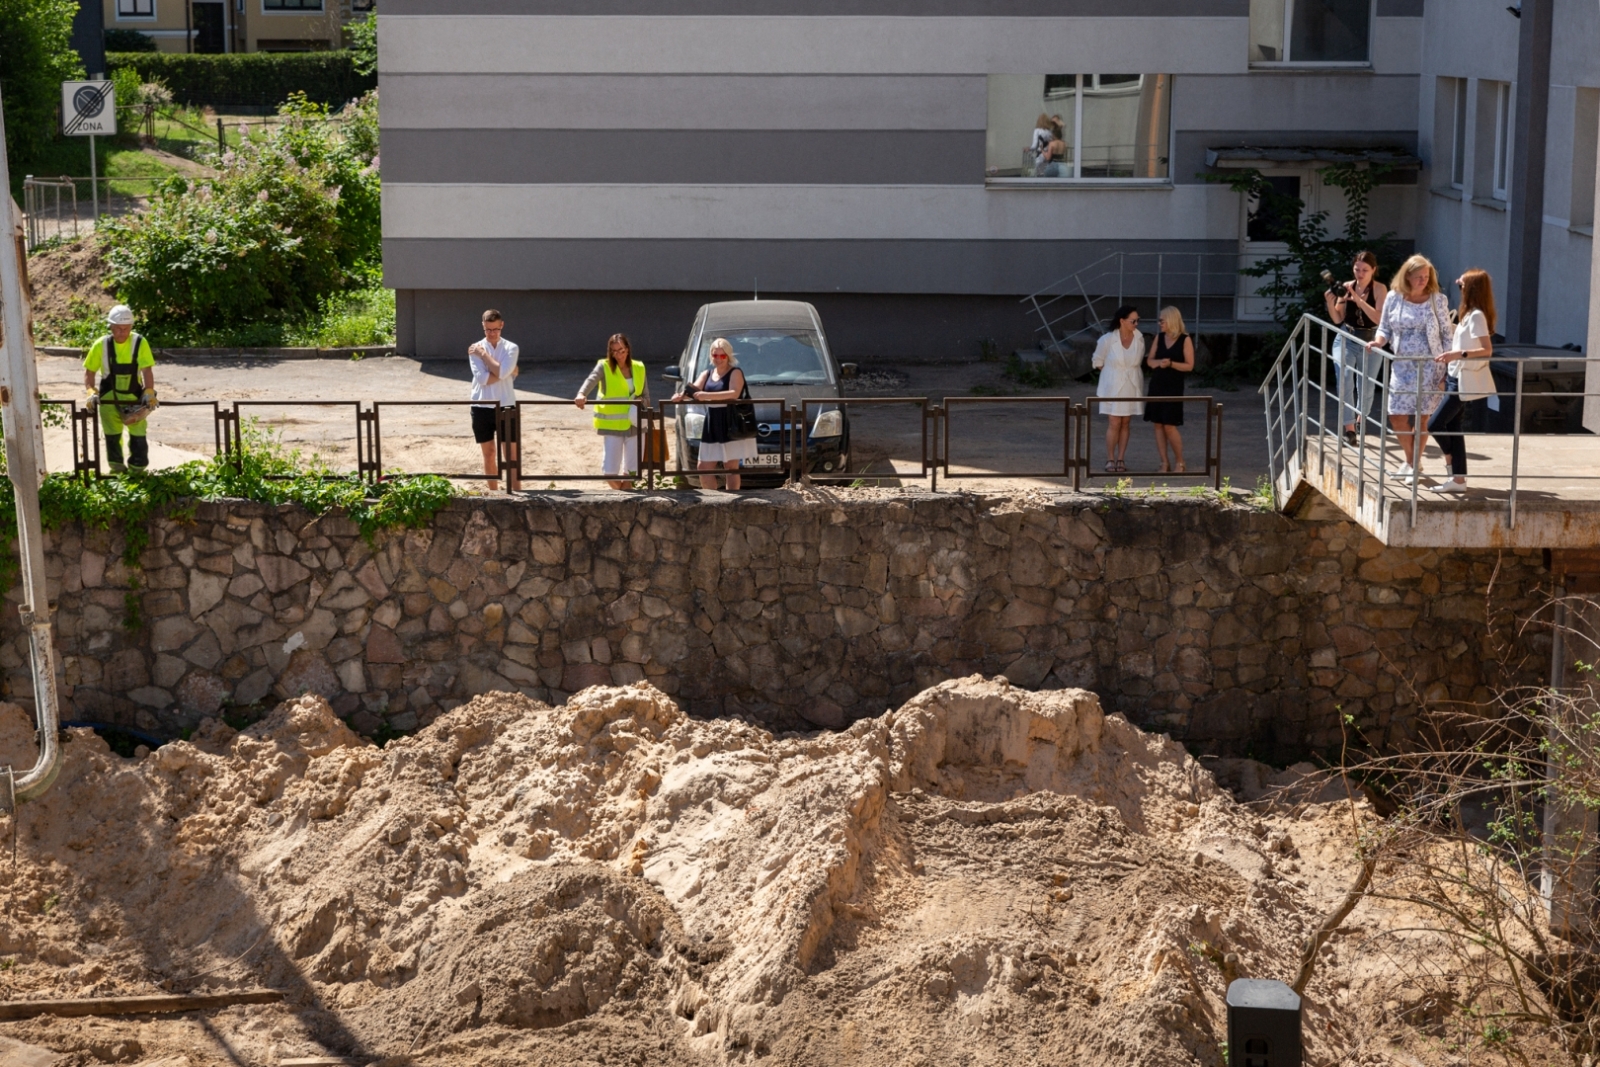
x: 1446, y: 426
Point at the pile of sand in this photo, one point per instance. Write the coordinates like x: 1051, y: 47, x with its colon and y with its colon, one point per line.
x: 1010, y: 873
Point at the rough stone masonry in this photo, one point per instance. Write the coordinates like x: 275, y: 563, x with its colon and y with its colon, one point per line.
x: 1234, y: 630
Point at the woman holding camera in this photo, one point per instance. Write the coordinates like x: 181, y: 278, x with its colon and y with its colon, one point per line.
x: 1357, y: 306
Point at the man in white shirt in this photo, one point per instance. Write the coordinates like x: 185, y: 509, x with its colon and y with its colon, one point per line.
x: 494, y: 366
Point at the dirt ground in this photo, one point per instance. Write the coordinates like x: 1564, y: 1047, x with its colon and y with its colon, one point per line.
x: 983, y: 876
x: 990, y: 442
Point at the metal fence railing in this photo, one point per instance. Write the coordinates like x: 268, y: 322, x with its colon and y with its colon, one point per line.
x: 796, y: 445
x: 49, y: 210
x: 1324, y: 379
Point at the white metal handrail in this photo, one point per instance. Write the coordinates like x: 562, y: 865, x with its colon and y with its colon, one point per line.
x: 1302, y: 438
x: 1117, y: 277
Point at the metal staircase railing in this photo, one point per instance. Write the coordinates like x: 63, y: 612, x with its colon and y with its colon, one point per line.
x: 1077, y: 304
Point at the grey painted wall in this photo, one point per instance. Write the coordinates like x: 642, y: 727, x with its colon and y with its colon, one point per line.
x: 562, y: 146
x: 561, y: 325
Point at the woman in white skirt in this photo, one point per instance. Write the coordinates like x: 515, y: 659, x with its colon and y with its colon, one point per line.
x: 719, y: 445
x: 1118, y: 357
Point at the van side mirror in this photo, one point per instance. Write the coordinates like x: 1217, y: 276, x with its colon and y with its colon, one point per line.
x: 847, y: 370
x: 672, y: 374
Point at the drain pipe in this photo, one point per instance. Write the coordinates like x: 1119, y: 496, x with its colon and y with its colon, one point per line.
x: 24, y: 442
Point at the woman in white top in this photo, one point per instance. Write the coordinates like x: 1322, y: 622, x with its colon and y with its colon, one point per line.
x: 1118, y: 357
x: 1470, y: 382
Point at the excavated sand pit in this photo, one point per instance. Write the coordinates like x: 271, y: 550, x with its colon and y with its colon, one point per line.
x: 985, y: 875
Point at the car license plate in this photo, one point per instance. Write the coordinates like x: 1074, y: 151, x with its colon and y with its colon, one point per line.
x: 773, y: 459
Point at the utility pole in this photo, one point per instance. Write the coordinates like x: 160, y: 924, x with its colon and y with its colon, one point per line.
x: 24, y: 442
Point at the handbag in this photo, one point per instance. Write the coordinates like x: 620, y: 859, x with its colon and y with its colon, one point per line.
x: 655, y: 446
x: 742, y: 417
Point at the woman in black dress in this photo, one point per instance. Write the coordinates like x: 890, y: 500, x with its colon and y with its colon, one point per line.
x: 1169, y: 359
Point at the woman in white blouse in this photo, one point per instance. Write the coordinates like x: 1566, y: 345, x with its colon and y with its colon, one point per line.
x: 1118, y: 357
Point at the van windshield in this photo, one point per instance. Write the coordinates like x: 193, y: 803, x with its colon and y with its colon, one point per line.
x: 773, y: 357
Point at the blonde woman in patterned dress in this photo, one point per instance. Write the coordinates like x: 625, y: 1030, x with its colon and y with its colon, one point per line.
x: 1415, y: 326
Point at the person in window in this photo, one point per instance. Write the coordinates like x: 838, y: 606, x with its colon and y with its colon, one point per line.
x: 1357, y: 306
x: 1042, y: 136
x: 1118, y: 357
x: 1415, y: 325
x: 1054, y: 165
x: 719, y: 443
x: 1170, y: 358
x: 620, y: 378
x: 1468, y: 379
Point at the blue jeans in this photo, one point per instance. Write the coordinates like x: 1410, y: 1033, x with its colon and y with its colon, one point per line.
x: 1359, y: 369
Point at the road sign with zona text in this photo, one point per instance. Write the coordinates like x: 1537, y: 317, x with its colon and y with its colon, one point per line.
x: 88, y: 109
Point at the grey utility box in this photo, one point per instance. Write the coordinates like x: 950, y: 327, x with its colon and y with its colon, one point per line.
x: 1263, y: 1024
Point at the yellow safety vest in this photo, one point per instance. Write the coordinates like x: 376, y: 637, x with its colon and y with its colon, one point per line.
x: 614, y: 386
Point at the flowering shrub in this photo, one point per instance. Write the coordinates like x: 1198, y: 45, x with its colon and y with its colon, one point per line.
x: 291, y: 218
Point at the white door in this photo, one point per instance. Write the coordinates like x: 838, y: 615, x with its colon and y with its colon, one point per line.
x: 1259, y: 227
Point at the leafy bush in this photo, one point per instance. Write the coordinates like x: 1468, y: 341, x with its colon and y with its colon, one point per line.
x: 265, y: 472
x: 291, y: 219
x: 349, y: 320
x: 364, y: 43
x: 129, y: 41
x: 36, y: 56
x: 250, y: 79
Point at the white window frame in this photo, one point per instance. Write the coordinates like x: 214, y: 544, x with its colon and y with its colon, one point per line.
x: 1458, y: 135
x: 123, y: 17
x: 1077, y: 178
x: 1501, y: 174
x: 322, y: 6
x: 1288, y: 36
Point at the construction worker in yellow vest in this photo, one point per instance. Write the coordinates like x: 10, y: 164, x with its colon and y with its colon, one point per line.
x: 619, y: 377
x: 126, y: 394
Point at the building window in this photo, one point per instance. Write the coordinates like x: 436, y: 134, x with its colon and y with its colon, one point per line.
x: 291, y: 5
x: 1311, y: 31
x: 1502, y: 141
x: 1585, y: 155
x: 1079, y: 127
x: 136, y: 9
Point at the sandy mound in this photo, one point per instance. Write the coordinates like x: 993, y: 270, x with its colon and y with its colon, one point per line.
x: 56, y: 276
x: 1009, y: 872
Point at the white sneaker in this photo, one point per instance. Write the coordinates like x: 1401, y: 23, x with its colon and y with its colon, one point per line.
x: 1405, y: 471
x: 1450, y: 485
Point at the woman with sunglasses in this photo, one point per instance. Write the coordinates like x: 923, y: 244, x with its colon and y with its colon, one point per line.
x: 720, y: 445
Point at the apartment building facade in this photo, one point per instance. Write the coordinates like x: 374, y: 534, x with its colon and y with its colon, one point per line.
x: 236, y: 25
x: 591, y: 166
x: 1495, y: 87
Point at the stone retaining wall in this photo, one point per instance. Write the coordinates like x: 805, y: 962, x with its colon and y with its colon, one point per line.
x: 1232, y: 629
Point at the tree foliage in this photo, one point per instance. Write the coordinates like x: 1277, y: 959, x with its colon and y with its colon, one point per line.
x: 36, y: 56
x: 292, y: 217
x: 364, y: 43
x: 1296, y: 286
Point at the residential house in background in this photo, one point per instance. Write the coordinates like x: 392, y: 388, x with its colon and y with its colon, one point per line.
x: 873, y: 156
x: 237, y: 25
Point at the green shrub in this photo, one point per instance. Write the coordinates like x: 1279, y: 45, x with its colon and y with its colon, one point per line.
x: 36, y: 56
x: 364, y: 43
x: 248, y: 79
x: 349, y: 320
x: 129, y: 41
x: 291, y: 219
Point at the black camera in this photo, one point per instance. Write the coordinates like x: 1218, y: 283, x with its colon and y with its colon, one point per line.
x: 1335, y: 286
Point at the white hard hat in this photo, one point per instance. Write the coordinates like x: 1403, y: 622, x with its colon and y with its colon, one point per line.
x: 121, y: 315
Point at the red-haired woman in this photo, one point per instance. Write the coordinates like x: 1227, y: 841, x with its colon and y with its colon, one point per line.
x: 1470, y: 382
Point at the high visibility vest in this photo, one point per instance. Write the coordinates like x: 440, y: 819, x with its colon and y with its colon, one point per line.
x: 120, y: 381
x: 613, y: 386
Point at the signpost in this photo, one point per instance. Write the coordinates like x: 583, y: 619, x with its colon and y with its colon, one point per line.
x: 89, y: 109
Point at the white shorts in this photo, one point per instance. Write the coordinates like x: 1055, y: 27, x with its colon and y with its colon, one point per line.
x: 622, y: 455
x: 727, y: 451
